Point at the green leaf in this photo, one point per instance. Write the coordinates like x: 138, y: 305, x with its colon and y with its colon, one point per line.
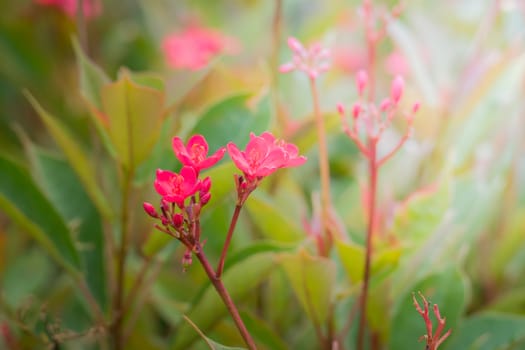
x: 313, y: 280
x: 21, y: 200
x: 231, y: 120
x: 489, y: 331
x: 447, y: 289
x: 273, y: 222
x: 75, y: 155
x: 211, y: 344
x: 64, y: 190
x: 240, y: 281
x: 262, y: 334
x: 135, y: 114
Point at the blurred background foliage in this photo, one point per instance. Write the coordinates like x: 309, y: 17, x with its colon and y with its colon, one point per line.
x: 452, y: 202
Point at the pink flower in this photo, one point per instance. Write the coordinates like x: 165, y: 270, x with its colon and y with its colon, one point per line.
x: 263, y: 155
x: 195, y: 47
x: 313, y: 60
x: 195, y: 153
x: 90, y: 8
x: 175, y: 188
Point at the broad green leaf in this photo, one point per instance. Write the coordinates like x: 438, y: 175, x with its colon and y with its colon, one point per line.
x: 15, y: 289
x: 64, y: 190
x: 421, y: 213
x: 231, y: 120
x: 263, y: 335
x: 135, y: 114
x: 273, y: 221
x: 75, y: 155
x: 384, y: 259
x: 240, y: 281
x: 21, y: 200
x: 211, y: 344
x: 489, y: 331
x: 313, y: 280
x: 447, y: 289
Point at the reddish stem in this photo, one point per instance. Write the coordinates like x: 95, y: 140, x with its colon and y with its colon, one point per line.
x: 233, y: 223
x: 223, y: 293
x: 373, y: 170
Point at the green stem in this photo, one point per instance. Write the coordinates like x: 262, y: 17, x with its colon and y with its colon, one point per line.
x: 373, y: 170
x: 323, y: 159
x: 233, y: 223
x: 225, y: 296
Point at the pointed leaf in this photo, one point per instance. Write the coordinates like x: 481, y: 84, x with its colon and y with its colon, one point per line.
x: 211, y: 344
x: 135, y: 114
x: 313, y: 280
x: 21, y: 200
x: 75, y: 155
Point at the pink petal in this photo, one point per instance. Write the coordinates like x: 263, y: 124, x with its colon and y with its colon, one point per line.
x: 238, y: 158
x: 181, y: 151
x: 198, y: 140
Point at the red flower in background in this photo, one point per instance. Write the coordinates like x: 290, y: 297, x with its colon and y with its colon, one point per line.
x: 195, y: 153
x: 90, y: 8
x: 194, y: 47
x: 263, y: 155
x: 175, y: 188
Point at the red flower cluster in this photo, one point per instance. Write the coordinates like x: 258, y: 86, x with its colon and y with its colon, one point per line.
x: 184, y: 194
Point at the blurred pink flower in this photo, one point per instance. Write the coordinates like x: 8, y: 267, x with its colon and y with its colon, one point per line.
x: 91, y: 8
x: 349, y: 59
x: 195, y: 153
x: 194, y: 47
x: 313, y: 60
x: 264, y: 155
x: 175, y: 188
x: 396, y: 64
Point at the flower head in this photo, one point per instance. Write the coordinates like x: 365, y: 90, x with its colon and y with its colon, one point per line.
x: 175, y: 188
x: 264, y: 154
x: 313, y: 60
x: 90, y: 8
x: 194, y: 47
x: 195, y: 153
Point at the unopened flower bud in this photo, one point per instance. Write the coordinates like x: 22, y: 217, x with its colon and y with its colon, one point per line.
x: 385, y: 104
x: 398, y: 85
x: 205, y: 198
x: 295, y: 45
x: 177, y: 220
x: 361, y: 81
x: 415, y: 107
x: 186, y: 259
x: 356, y: 110
x: 287, y: 67
x: 150, y: 210
x: 341, y: 109
x: 206, y: 185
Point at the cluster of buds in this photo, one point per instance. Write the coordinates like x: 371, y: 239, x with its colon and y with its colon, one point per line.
x: 184, y: 193
x: 313, y: 60
x: 373, y: 120
x: 433, y: 340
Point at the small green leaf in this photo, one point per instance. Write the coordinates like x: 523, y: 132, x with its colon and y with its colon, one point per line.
x: 313, y: 280
x: 75, y: 155
x: 135, y: 114
x: 21, y: 199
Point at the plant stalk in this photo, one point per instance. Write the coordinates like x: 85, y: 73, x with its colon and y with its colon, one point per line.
x: 233, y: 223
x: 225, y: 296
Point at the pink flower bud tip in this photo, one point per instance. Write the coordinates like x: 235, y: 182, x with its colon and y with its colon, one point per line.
x: 415, y: 107
x: 356, y: 110
x: 341, y: 109
x: 150, y: 210
x: 361, y: 81
x: 398, y: 85
x: 286, y: 68
x: 385, y: 104
x: 295, y: 45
